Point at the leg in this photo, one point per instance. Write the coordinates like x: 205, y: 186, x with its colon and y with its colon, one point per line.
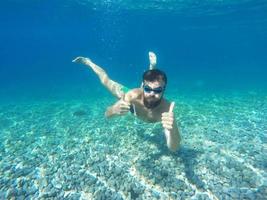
x: 114, y: 87
x: 152, y: 60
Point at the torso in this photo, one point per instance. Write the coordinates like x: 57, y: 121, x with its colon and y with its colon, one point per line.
x: 135, y: 97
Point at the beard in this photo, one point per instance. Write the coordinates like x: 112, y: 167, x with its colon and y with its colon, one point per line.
x: 151, y: 103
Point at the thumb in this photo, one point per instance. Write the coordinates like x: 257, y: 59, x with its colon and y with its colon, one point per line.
x: 171, y: 106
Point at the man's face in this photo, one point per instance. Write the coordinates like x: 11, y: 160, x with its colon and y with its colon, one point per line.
x: 153, y: 93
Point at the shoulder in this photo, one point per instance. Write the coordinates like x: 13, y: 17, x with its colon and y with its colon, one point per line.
x: 133, y: 94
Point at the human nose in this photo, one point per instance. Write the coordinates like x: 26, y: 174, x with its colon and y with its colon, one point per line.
x: 152, y: 94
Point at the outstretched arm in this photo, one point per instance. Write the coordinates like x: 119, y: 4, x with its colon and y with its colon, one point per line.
x: 112, y: 86
x: 88, y: 62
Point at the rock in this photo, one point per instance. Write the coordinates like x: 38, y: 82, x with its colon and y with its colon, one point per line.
x: 173, y: 195
x: 79, y: 113
x: 11, y: 192
x: 20, y: 197
x: 74, y: 196
x: 58, y: 186
x: 117, y: 171
x: 202, y: 197
x: 65, y: 187
x: 234, y: 193
x: 262, y: 190
x: 68, y: 178
x: 250, y: 195
x: 23, y: 172
x: 32, y: 190
x: 52, y: 192
x: 107, y: 194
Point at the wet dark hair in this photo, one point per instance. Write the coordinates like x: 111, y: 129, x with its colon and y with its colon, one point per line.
x: 154, y: 75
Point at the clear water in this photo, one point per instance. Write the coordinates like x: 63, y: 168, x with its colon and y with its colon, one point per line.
x: 54, y: 140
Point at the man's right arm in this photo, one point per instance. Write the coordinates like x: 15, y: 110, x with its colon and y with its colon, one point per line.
x: 110, y: 112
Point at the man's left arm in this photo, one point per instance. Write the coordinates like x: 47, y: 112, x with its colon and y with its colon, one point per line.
x: 172, y: 134
x: 174, y: 138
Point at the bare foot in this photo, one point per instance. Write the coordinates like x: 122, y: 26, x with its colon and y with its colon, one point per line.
x: 82, y: 60
x: 152, y: 60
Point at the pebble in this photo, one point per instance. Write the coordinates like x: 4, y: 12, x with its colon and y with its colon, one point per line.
x: 74, y: 196
x: 234, y: 193
x: 221, y: 174
x: 58, y: 186
x: 117, y: 171
x: 32, y: 190
x: 11, y: 193
x: 22, y: 172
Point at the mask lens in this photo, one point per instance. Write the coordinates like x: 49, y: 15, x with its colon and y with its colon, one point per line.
x: 147, y: 89
x: 156, y: 90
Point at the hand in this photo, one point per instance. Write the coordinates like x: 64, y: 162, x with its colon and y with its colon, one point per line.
x: 121, y: 107
x: 167, y: 120
x: 82, y: 60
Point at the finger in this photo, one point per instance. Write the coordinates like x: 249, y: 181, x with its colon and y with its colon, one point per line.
x: 125, y: 109
x: 123, y: 106
x: 123, y: 100
x: 166, y: 126
x: 125, y: 103
x: 169, y: 127
x: 169, y: 123
x: 167, y: 114
x: 122, y: 112
x: 167, y: 120
x: 122, y: 96
x: 171, y: 106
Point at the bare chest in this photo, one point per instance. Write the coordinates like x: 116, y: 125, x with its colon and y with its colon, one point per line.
x: 145, y: 114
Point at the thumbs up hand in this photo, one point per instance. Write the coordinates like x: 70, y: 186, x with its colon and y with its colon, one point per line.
x: 167, y: 118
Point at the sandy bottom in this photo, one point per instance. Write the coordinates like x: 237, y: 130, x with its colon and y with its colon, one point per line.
x: 66, y: 149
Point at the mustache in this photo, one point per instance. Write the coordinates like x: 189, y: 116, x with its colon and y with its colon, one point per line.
x: 151, y: 97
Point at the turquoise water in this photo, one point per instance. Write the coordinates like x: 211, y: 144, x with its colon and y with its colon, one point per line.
x: 55, y: 142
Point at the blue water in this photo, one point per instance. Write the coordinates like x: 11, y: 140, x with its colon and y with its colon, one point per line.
x: 222, y: 44
x: 54, y: 140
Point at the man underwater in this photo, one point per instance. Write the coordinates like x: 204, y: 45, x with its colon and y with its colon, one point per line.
x: 146, y: 103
